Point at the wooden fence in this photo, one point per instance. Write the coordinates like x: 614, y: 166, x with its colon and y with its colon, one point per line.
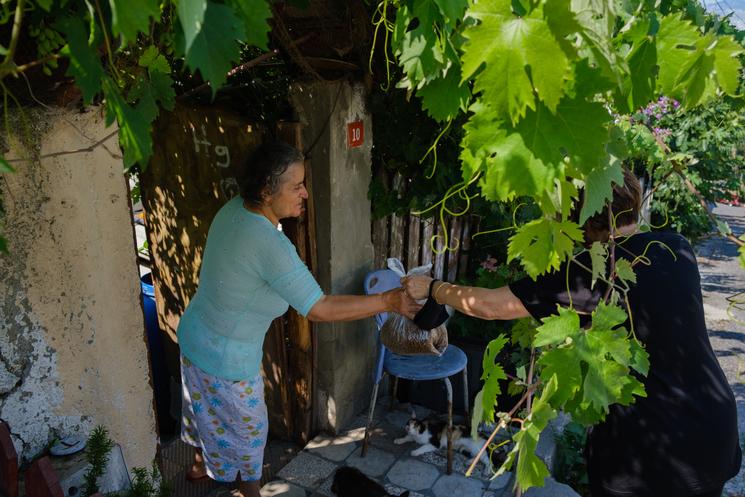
x: 417, y: 241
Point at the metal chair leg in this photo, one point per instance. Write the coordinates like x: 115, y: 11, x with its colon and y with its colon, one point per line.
x: 395, y: 393
x: 450, y: 425
x: 465, y: 398
x: 373, y: 399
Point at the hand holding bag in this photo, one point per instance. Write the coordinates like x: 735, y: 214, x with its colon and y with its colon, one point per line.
x: 401, y: 335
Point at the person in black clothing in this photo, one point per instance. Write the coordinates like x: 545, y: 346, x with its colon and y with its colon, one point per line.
x: 679, y: 441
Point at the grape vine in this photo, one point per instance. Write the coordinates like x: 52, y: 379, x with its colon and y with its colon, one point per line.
x: 546, y: 87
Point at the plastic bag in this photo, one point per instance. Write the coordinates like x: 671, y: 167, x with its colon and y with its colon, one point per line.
x: 401, y: 335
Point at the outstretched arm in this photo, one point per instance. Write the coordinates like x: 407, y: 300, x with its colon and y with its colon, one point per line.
x: 351, y: 307
x: 483, y: 303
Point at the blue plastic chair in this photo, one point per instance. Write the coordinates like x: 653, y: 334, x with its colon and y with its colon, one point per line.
x: 413, y: 367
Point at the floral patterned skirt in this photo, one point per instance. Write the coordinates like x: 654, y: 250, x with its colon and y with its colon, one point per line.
x: 227, y: 420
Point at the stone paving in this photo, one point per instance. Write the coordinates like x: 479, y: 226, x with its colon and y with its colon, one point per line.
x: 311, y: 473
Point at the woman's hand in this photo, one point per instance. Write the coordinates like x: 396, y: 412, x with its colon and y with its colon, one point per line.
x: 398, y: 301
x: 417, y: 286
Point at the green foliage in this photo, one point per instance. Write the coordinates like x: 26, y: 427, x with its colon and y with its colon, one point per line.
x: 219, y: 32
x: 148, y: 484
x: 81, y: 50
x: 97, y: 451
x: 493, y: 372
x: 100, y: 44
x: 592, y: 366
x: 531, y: 470
x: 543, y: 244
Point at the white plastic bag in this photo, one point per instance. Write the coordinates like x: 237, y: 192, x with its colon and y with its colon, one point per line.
x: 401, y: 335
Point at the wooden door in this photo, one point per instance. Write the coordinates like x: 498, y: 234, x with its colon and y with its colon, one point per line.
x: 198, y: 157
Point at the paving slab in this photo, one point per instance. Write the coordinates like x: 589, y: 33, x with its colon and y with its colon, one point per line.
x: 551, y: 488
x: 383, y: 435
x: 461, y: 463
x: 307, y: 470
x: 281, y: 488
x: 332, y: 448
x: 501, y: 481
x: 452, y: 485
x: 325, y: 488
x: 395, y: 491
x: 356, y: 433
x: 413, y: 475
x: 375, y: 463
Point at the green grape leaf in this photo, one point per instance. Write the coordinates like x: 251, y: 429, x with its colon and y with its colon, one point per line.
x: 592, y: 366
x: 639, y: 357
x: 419, y: 50
x: 477, y: 416
x: 726, y: 63
x: 191, y: 14
x: 693, y: 62
x: 624, y: 271
x: 493, y: 372
x: 147, y: 91
x: 543, y: 244
x: 642, y: 60
x: 134, y: 126
x: 557, y: 328
x: 162, y: 89
x: 519, y: 55
x: 255, y: 15
x: 129, y: 17
x: 45, y: 4
x: 613, y: 342
x: 597, y: 20
x: 531, y: 471
x: 453, y: 10
x: 85, y: 65
x: 523, y: 332
x: 5, y: 166
x: 154, y: 61
x: 490, y: 354
x: 563, y: 363
x: 599, y: 188
x: 607, y: 317
x: 510, y: 168
x: 444, y: 97
x: 598, y: 253
x: 577, y: 130
x: 215, y: 47
x: 603, y: 382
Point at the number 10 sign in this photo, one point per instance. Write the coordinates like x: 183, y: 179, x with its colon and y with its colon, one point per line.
x: 355, y: 134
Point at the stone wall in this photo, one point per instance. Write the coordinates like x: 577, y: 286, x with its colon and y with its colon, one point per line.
x: 72, y: 343
x: 345, y: 351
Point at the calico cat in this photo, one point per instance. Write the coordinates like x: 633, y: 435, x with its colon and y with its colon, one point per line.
x: 432, y: 434
x: 351, y: 482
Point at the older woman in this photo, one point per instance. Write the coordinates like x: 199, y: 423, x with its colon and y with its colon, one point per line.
x: 250, y: 274
x: 679, y: 441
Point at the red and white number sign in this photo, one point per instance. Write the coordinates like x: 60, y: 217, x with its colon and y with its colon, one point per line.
x: 355, y: 134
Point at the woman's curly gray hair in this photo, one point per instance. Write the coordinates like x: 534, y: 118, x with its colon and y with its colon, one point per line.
x: 264, y: 169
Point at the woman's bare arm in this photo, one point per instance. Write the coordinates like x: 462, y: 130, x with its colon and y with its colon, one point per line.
x: 483, y: 303
x: 351, y: 307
